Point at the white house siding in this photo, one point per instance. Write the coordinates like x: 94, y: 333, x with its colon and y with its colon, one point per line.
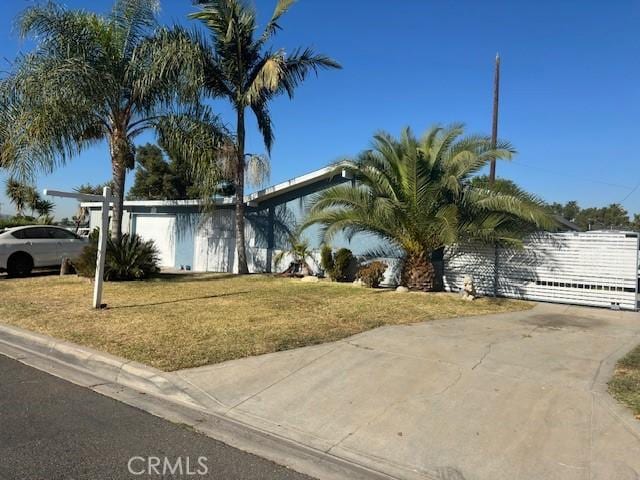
x: 161, y: 229
x: 588, y: 268
x: 95, y: 218
x: 214, y: 249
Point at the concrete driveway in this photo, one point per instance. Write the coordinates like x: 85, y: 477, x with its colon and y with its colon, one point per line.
x: 509, y: 396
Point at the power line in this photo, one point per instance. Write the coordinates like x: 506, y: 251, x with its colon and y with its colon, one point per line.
x: 630, y: 193
x: 573, y: 177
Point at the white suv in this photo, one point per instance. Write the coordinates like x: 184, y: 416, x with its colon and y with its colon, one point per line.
x: 24, y: 248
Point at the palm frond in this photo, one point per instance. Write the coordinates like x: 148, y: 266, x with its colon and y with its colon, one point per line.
x: 417, y: 194
x: 272, y: 27
x: 134, y: 19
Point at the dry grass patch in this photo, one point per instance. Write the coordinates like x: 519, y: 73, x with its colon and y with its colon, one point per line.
x: 175, y: 322
x: 625, y: 384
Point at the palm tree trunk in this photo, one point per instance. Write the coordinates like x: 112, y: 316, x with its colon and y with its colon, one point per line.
x: 418, y: 272
x: 239, y: 181
x: 119, y: 148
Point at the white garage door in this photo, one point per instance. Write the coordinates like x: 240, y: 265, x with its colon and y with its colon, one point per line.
x: 162, y: 230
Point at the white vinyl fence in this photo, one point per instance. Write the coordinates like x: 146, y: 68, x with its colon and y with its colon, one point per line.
x: 585, y: 268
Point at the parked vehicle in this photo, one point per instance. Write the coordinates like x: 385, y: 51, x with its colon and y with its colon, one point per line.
x: 24, y: 248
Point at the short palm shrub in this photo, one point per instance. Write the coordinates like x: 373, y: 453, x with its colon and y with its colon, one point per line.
x: 344, y: 266
x: 372, y: 274
x: 299, y: 251
x: 129, y: 258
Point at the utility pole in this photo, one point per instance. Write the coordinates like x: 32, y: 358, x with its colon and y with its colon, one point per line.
x: 494, y: 126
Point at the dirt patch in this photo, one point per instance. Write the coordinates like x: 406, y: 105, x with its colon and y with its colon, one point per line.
x: 564, y: 321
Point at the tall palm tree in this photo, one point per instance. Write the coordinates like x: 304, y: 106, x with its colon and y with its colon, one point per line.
x: 88, y: 80
x: 418, y: 195
x: 240, y: 66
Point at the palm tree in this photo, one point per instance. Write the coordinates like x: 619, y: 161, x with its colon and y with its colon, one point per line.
x: 17, y: 194
x: 33, y: 198
x: 88, y: 80
x: 44, y: 208
x: 299, y: 249
x: 418, y: 195
x: 240, y: 66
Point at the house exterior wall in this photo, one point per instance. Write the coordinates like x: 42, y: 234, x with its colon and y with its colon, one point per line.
x: 206, y: 242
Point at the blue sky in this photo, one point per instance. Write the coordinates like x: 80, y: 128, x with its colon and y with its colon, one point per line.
x: 570, y: 99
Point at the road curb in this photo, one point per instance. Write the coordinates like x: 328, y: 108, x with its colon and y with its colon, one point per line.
x: 106, y: 367
x: 165, y: 395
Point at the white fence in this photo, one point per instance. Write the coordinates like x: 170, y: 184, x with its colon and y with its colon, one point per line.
x: 586, y: 268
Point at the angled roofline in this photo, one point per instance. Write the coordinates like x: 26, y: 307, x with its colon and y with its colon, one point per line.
x: 253, y: 198
x: 566, y: 223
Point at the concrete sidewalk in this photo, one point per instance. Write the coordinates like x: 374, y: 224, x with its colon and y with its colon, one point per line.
x: 518, y: 395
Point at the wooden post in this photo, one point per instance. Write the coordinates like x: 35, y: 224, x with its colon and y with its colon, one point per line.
x: 494, y: 125
x: 102, y: 249
x: 105, y: 199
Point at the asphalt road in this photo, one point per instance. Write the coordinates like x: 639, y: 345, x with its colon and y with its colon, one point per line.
x: 51, y: 429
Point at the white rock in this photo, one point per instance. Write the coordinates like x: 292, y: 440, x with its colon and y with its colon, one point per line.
x: 402, y: 289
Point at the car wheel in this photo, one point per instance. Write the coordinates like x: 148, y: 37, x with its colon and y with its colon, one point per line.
x: 19, y: 265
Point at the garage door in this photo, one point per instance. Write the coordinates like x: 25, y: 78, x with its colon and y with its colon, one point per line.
x: 162, y: 230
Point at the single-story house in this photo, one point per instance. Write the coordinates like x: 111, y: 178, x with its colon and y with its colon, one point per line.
x: 188, y: 239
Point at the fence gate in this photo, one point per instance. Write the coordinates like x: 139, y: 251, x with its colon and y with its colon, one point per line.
x: 585, y: 268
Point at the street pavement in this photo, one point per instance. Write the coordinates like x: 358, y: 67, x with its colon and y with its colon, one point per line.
x: 51, y: 429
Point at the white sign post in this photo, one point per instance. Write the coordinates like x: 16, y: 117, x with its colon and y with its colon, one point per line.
x: 105, y: 199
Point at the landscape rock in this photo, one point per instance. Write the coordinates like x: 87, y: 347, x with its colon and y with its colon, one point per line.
x: 402, y: 289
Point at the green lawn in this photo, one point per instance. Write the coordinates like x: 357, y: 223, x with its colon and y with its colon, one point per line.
x: 625, y: 384
x: 180, y: 321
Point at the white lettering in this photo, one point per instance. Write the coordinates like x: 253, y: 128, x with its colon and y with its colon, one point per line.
x: 130, y: 467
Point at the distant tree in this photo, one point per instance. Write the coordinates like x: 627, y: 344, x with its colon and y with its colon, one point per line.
x: 65, y: 222
x: 17, y: 194
x: 44, y: 207
x: 81, y: 216
x: 160, y: 179
x: 569, y: 211
x: 611, y: 217
x: 33, y: 198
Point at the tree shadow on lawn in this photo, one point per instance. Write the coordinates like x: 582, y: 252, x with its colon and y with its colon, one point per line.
x: 190, y: 277
x: 179, y: 300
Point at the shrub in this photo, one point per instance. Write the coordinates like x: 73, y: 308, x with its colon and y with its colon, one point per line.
x: 16, y: 222
x: 372, y: 274
x: 344, y: 266
x: 326, y: 259
x: 129, y: 259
